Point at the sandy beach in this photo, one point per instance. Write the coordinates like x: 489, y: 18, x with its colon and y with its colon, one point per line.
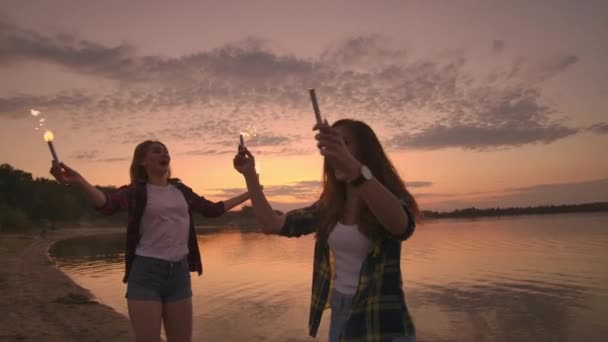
x: 40, y: 303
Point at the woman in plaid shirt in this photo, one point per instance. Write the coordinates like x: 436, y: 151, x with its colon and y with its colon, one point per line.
x: 161, y: 246
x: 360, y: 220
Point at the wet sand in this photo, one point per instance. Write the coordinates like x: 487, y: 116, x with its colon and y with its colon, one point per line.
x: 40, y: 303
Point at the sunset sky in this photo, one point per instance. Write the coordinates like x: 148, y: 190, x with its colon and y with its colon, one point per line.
x: 480, y: 104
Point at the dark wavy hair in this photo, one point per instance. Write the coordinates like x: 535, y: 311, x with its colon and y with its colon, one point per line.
x: 369, y: 151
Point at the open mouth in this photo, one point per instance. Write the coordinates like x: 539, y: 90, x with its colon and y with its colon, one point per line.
x: 164, y: 163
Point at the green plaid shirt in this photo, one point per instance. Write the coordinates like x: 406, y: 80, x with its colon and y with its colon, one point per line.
x: 378, y: 312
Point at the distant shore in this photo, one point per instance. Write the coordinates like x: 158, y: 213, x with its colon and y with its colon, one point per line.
x: 41, y: 303
x: 517, y: 211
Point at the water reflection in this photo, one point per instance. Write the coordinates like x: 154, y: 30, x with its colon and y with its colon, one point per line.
x: 520, y: 279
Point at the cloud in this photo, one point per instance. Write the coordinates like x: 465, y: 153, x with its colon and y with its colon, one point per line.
x: 540, y: 194
x: 86, y: 155
x: 498, y: 46
x: 418, y: 184
x: 477, y: 137
x: 95, y: 155
x: 362, y: 53
x: 487, y: 120
x: 208, y: 152
x: 599, y: 128
x: 113, y: 160
x: 18, y: 45
x: 554, y: 66
x: 300, y: 191
x: 365, y: 77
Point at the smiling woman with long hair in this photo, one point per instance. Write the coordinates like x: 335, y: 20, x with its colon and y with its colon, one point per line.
x: 363, y: 215
x: 161, y: 246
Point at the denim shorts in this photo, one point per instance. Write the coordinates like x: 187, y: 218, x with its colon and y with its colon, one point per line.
x: 340, y: 308
x: 158, y: 280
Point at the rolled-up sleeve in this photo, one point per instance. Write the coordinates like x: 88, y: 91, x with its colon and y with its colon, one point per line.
x: 207, y: 208
x: 411, y: 224
x: 115, y: 201
x: 301, y: 221
x: 200, y: 204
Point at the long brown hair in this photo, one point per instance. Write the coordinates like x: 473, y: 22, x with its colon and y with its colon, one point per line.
x: 369, y: 152
x: 138, y: 173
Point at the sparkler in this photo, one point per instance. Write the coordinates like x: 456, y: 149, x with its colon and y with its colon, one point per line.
x: 315, y: 105
x: 48, y: 137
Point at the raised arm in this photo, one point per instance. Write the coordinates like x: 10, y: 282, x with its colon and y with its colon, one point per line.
x: 393, y: 213
x: 66, y: 175
x: 271, y: 222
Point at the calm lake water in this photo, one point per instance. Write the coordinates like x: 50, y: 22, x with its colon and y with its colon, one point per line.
x: 531, y: 278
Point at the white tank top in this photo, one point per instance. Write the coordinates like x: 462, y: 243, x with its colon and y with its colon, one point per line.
x: 165, y: 224
x: 350, y: 248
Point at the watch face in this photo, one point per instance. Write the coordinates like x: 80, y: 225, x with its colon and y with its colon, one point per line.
x: 366, y: 173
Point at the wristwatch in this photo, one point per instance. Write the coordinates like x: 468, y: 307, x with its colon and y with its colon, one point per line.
x: 364, y: 175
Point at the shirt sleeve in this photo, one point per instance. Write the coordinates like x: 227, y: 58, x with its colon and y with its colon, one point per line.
x: 202, y: 205
x: 207, y: 208
x: 411, y: 225
x: 115, y: 201
x: 301, y: 221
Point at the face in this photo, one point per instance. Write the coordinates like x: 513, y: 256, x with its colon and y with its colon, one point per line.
x: 157, y: 159
x: 349, y: 139
x: 350, y: 142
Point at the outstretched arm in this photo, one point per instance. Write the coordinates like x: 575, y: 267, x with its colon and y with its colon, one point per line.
x: 271, y: 222
x: 66, y: 175
x: 234, y: 201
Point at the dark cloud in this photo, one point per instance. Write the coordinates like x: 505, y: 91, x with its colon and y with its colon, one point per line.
x: 362, y: 53
x: 86, y: 155
x: 286, y: 151
x: 302, y: 190
x: 599, y: 128
x: 487, y: 120
x: 268, y: 142
x: 498, y: 46
x: 418, y: 184
x: 18, y: 45
x: 365, y: 78
x: 477, y: 137
x: 541, y: 194
x: 554, y: 66
x: 113, y: 160
x: 208, y: 152
x: 95, y: 155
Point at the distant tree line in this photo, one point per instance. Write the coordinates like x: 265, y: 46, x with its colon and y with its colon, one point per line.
x: 27, y: 202
x: 537, y: 210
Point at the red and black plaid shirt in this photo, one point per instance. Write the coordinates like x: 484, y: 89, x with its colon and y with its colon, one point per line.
x: 133, y: 198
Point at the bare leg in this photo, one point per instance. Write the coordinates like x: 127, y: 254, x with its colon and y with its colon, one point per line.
x: 145, y: 318
x: 177, y: 319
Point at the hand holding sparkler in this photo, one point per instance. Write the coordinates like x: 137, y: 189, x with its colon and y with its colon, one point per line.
x: 244, y: 162
x: 66, y: 175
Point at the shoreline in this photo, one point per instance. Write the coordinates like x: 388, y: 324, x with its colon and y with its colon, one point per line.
x: 41, y: 303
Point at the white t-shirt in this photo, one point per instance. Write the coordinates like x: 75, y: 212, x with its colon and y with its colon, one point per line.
x: 350, y: 248
x: 165, y: 224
